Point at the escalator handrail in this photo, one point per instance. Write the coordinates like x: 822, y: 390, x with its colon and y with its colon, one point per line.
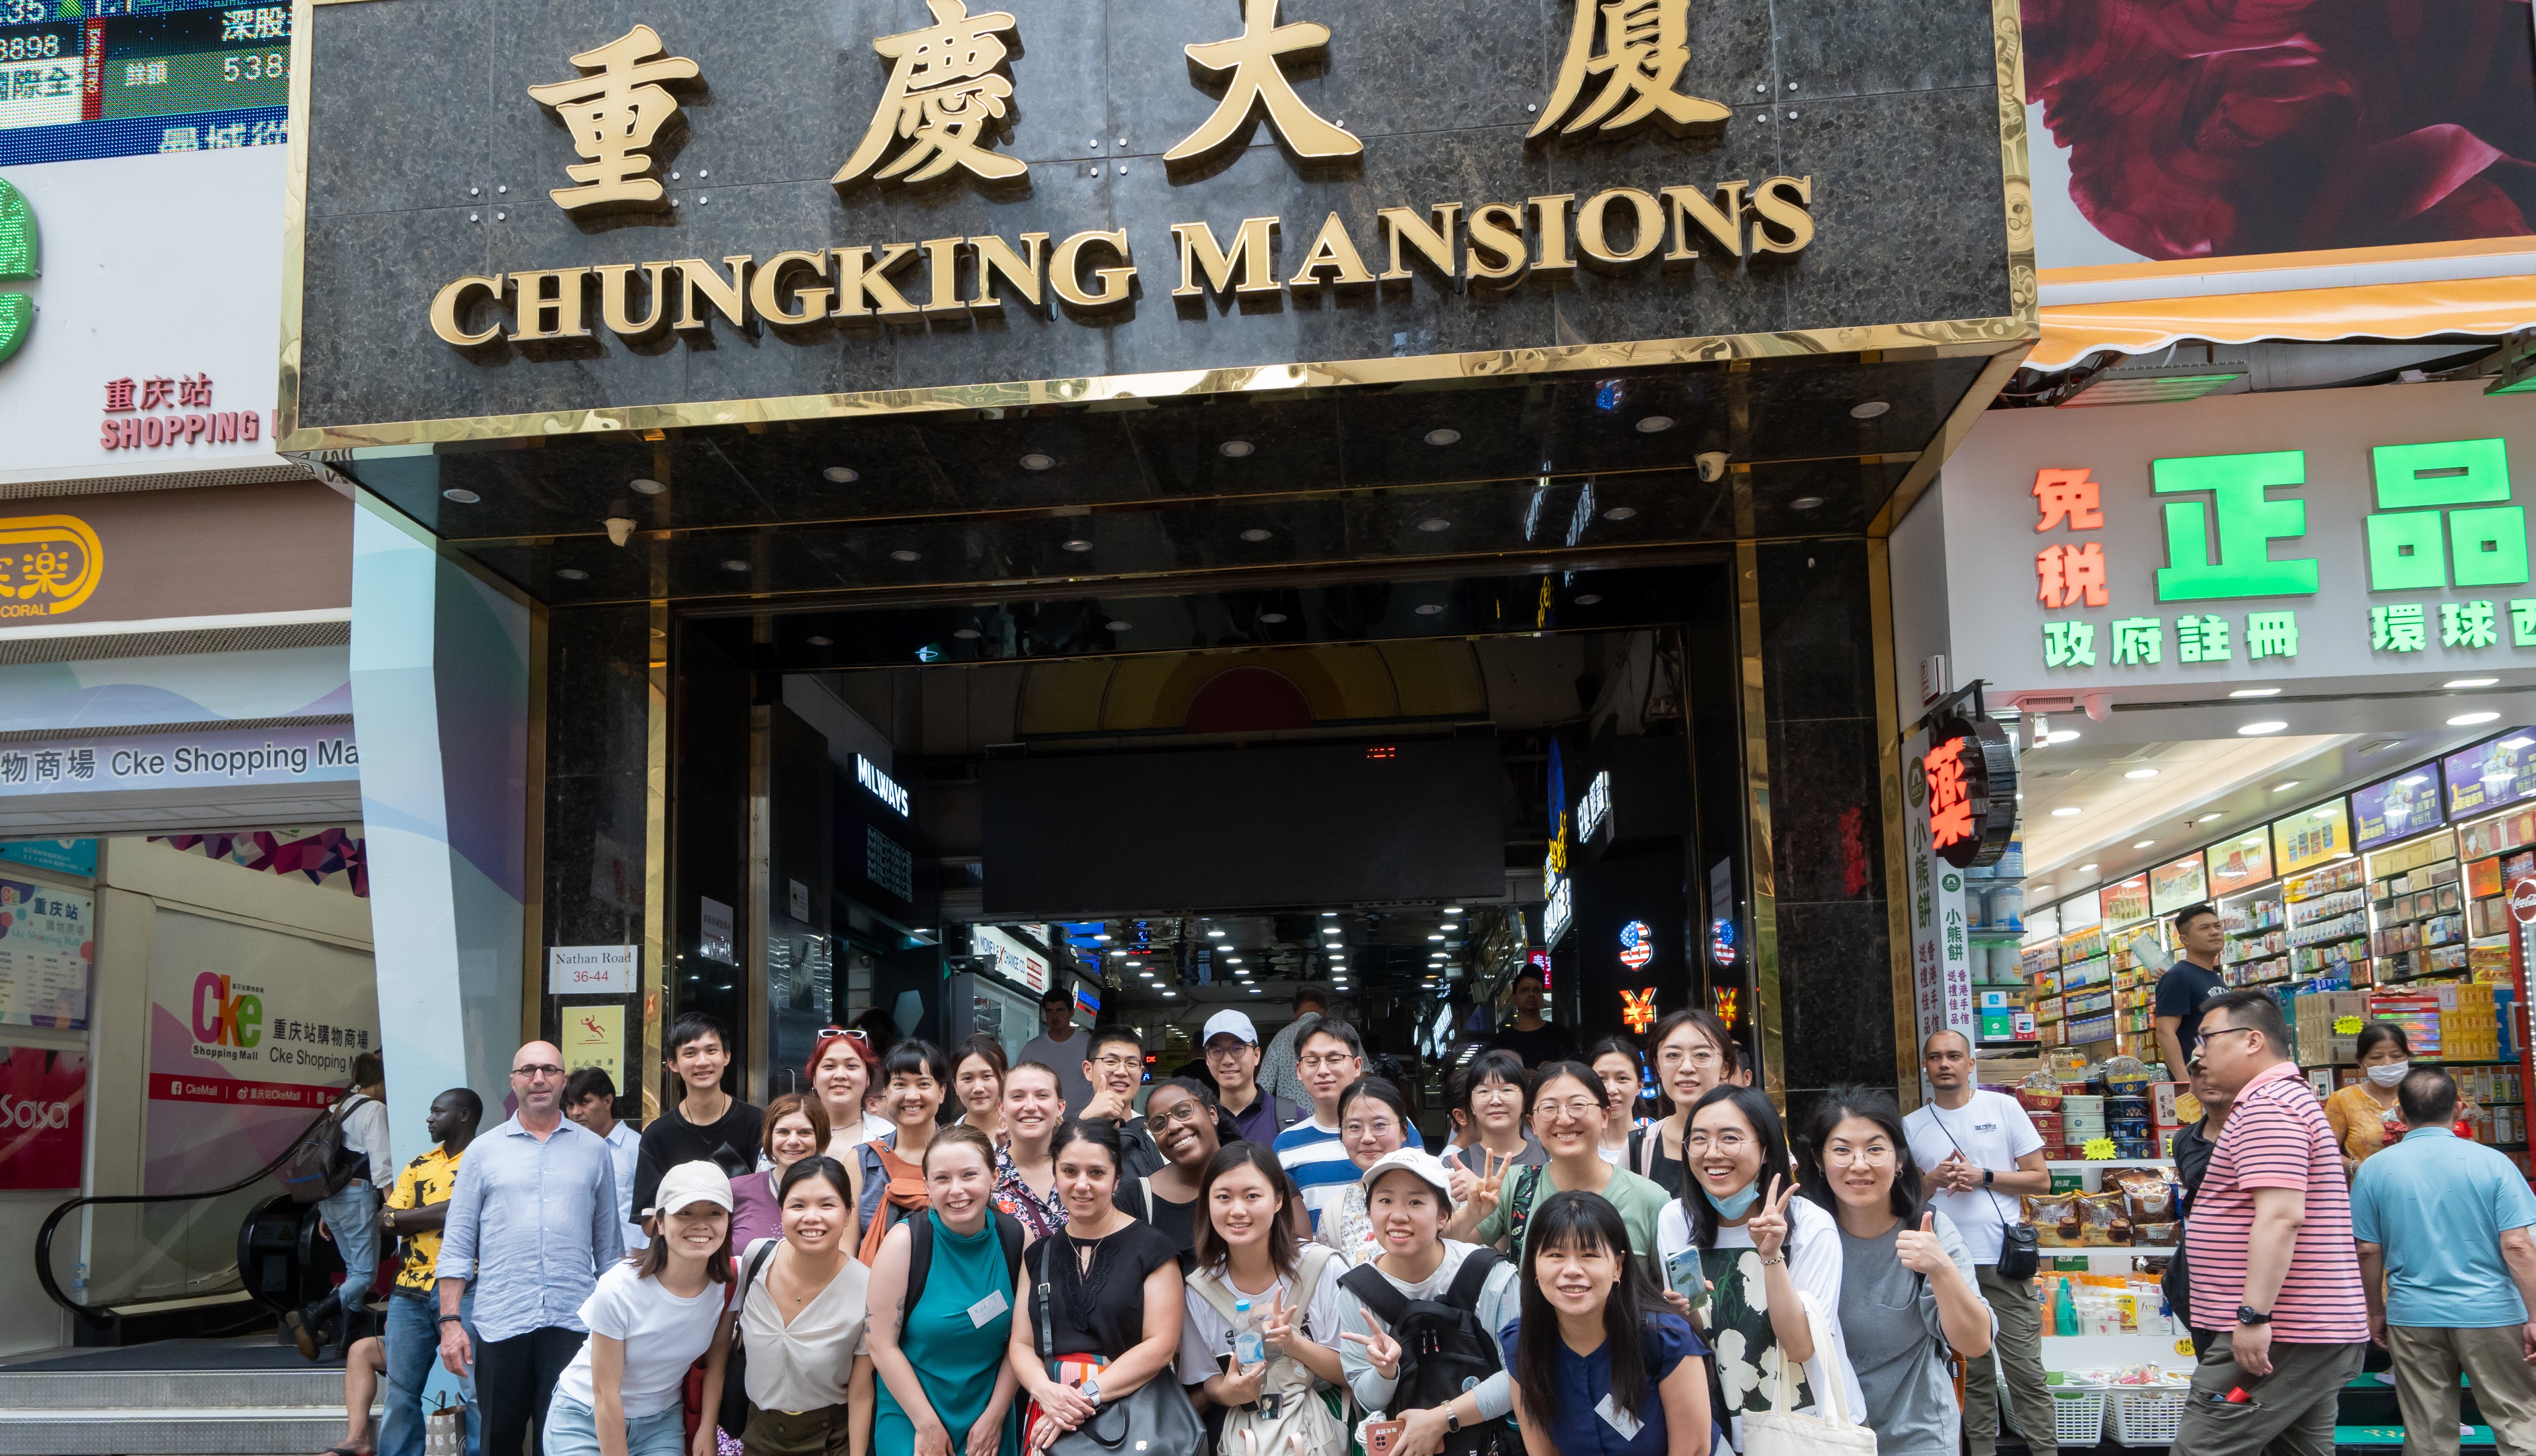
x: 44, y: 1236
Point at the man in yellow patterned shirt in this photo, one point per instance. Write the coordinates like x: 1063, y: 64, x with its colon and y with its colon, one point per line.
x: 414, y: 1214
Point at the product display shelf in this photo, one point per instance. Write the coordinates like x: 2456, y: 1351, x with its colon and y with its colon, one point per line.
x: 2417, y: 910
x: 2258, y: 948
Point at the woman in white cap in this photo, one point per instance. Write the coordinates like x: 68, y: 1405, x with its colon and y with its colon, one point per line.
x: 650, y: 1318
x: 1420, y: 1324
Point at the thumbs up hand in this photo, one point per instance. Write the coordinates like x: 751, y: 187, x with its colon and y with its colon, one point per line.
x: 1919, y: 1249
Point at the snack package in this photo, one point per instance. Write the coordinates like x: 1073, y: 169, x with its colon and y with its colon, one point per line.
x: 2149, y: 1196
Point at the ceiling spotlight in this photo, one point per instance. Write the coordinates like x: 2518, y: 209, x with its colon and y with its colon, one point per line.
x: 1867, y: 410
x: 643, y: 486
x: 2470, y: 683
x: 2269, y: 725
x: 1234, y: 449
x: 1147, y: 975
x: 1433, y: 524
x: 2142, y: 773
x: 1039, y: 459
x: 1099, y: 934
x: 2256, y: 693
x: 2469, y: 719
x: 2285, y: 784
x: 572, y: 574
x: 830, y: 642
x: 1429, y: 610
x: 1117, y: 953
x: 904, y: 555
x: 2209, y: 818
x: 1170, y: 995
x: 1215, y: 932
x: 2086, y: 870
x: 734, y: 564
x: 462, y: 495
x: 1257, y: 532
x: 2065, y: 812
x: 1452, y: 910
x: 841, y: 475
x: 1806, y: 503
x: 1255, y: 991
x: 1078, y: 545
x: 2144, y: 843
x: 1272, y: 618
x: 1119, y: 626
x: 1329, y: 914
x: 1620, y: 513
x: 1442, y: 436
x: 967, y: 634
x: 1589, y: 599
x: 2062, y: 735
x: 1452, y: 924
x: 1434, y: 937
x: 1654, y: 425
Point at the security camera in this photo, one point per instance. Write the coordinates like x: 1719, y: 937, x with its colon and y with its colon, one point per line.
x: 619, y: 528
x: 1712, y: 465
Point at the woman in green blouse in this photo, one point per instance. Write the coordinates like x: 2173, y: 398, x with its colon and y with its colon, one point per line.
x: 946, y: 1388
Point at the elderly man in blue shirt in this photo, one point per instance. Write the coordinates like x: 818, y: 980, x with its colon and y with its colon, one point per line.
x: 2445, y: 1222
x: 531, y: 1224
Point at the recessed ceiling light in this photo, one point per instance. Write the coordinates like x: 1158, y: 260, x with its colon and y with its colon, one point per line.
x: 2144, y: 843
x: 2086, y: 870
x: 643, y: 486
x: 572, y: 573
x: 2256, y: 693
x: 734, y: 564
x: 1869, y: 410
x: 1442, y: 436
x: 2209, y: 818
x: 1039, y: 459
x: 1117, y: 953
x: 1272, y: 618
x: 1147, y: 975
x: 2142, y: 773
x: 1170, y: 995
x: 1806, y: 503
x: 841, y: 475
x: 1257, y: 532
x: 1120, y: 626
x: 1215, y: 932
x: 1429, y: 610
x: 1329, y: 914
x: 1078, y: 545
x: 1452, y: 910
x: 830, y: 642
x: 2469, y: 719
x: 1620, y: 513
x: 1654, y: 425
x: 1099, y: 934
x: 1434, y: 937
x: 1589, y: 599
x: 1255, y: 991
x: 2267, y: 726
x: 460, y: 494
x: 2062, y: 735
x: 967, y: 634
x: 2470, y: 683
x: 904, y: 555
x: 2065, y: 812
x: 1234, y: 449
x: 1433, y: 524
x: 2285, y: 784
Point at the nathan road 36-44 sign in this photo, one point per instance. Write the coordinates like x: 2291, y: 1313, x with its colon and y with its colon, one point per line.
x: 539, y: 217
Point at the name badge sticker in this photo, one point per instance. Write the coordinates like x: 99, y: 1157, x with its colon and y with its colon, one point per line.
x: 1626, y: 1424
x: 987, y: 1309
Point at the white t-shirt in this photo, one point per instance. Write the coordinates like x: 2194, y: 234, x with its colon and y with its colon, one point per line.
x: 1500, y: 1302
x: 1992, y: 1131
x: 1813, y: 1256
x: 365, y: 1130
x: 663, y: 1336
x: 1206, y: 1335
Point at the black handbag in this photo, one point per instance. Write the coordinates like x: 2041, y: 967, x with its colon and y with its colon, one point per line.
x: 2018, y: 1258
x: 1155, y: 1419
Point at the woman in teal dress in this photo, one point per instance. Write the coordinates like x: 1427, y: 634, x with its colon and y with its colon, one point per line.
x: 945, y: 1387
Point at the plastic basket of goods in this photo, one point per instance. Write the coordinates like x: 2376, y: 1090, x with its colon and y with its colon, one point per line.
x: 2077, y: 1415
x: 2144, y: 1406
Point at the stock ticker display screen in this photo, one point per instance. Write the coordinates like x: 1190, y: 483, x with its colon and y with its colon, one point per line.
x: 118, y: 77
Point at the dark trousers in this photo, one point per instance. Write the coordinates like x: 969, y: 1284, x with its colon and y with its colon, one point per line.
x: 515, y: 1378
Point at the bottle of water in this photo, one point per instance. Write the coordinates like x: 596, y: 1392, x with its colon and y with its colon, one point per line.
x: 1247, y: 1347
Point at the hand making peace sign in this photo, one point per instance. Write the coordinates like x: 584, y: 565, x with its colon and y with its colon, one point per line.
x: 1278, y: 1327
x: 1769, y: 1227
x: 1380, y: 1351
x: 1484, y: 1194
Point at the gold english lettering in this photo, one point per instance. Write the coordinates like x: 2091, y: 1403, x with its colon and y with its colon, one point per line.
x: 1496, y: 232
x: 864, y: 288
x: 614, y: 308
x: 765, y: 289
x: 1021, y: 268
x: 1332, y: 249
x: 728, y: 297
x: 942, y: 274
x: 1251, y: 254
x: 544, y: 314
x: 1719, y: 225
x: 1403, y: 224
x: 1066, y: 271
x: 451, y: 301
x: 1553, y: 232
x: 1780, y: 202
x: 1593, y: 227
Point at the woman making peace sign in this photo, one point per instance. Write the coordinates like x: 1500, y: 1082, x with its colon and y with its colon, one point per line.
x: 1569, y: 1104
x: 1247, y: 1252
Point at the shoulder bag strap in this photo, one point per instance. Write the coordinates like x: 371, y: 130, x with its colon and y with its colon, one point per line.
x: 1471, y: 1278
x: 919, y: 1257
x: 1377, y: 1295
x: 1211, y: 1287
x: 1148, y: 1185
x: 1009, y: 1231
x: 1521, y: 1213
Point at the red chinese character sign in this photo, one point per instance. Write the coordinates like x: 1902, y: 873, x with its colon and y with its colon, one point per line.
x: 1970, y: 778
x: 2069, y: 574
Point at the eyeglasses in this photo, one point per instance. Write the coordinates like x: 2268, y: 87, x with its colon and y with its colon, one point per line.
x: 1226, y: 1051
x: 1724, y: 1142
x: 1335, y: 1060
x: 1116, y: 1060
x: 536, y: 1069
x: 1574, y: 1106
x: 1186, y: 1112
x: 1369, y: 1126
x: 1704, y: 1057
x: 2209, y: 1032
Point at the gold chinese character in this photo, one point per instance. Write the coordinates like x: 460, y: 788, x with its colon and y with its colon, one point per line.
x: 944, y: 95
x: 1646, y: 44
x: 614, y: 115
x: 1252, y: 58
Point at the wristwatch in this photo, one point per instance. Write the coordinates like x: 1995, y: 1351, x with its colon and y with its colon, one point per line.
x: 451, y: 1319
x: 2249, y: 1314
x: 1987, y: 1175
x: 388, y: 1220
x: 1091, y: 1390
x: 1452, y: 1420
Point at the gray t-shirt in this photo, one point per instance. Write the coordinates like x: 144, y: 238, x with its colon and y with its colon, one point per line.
x: 1888, y: 1318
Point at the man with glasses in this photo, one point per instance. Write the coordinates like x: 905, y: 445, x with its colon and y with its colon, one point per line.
x: 1330, y: 1059
x: 1232, y: 1045
x: 532, y: 1225
x: 1978, y: 1153
x: 1115, y: 1069
x: 2274, y: 1268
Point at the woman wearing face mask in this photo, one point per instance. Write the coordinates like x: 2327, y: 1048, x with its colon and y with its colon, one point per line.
x: 1373, y: 1119
x: 2362, y: 1114
x: 802, y: 1321
x: 889, y: 1172
x: 1907, y: 1288
x: 841, y: 1077
x: 1493, y: 1099
x: 978, y: 1080
x: 1115, y: 1294
x: 1421, y: 1320
x: 796, y: 1127
x: 946, y: 1384
x: 650, y: 1318
x: 1600, y: 1367
x: 1180, y: 1114
x: 1760, y: 1254
x: 1569, y: 1104
x: 1026, y: 1166
x: 1615, y: 1061
x: 1694, y: 1053
x: 1246, y: 1250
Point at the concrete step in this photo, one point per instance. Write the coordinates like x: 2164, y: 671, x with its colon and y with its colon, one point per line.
x: 170, y: 1413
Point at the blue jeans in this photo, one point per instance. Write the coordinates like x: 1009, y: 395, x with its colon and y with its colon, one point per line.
x: 572, y: 1430
x: 413, y: 1351
x: 353, y: 1217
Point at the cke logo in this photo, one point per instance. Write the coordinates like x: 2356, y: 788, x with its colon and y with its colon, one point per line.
x: 225, y: 1017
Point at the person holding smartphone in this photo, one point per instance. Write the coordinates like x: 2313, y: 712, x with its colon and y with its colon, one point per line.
x: 1600, y: 1367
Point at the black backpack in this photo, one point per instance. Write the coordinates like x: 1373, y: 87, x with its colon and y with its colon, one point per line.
x: 920, y: 1251
x: 320, y: 1165
x: 1442, y: 1349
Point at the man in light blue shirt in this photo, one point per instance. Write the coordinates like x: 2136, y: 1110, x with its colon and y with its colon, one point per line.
x: 532, y: 1223
x: 2445, y: 1222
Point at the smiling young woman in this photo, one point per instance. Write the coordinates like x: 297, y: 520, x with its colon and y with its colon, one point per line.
x: 888, y: 1171
x: 802, y: 1321
x: 1569, y: 1106
x: 796, y: 1127
x: 1247, y: 1252
x: 940, y: 1347
x: 1180, y: 1113
x: 842, y: 1064
x: 1373, y: 1119
x: 1595, y: 1356
x: 650, y: 1318
x: 1026, y: 1166
x: 1694, y: 1055
x: 978, y: 1067
x: 1418, y: 1325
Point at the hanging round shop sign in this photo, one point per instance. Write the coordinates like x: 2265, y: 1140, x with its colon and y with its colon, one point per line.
x: 1970, y: 773
x: 1637, y: 944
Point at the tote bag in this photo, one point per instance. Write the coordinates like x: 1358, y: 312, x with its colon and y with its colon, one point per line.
x: 1290, y: 1420
x: 1781, y: 1431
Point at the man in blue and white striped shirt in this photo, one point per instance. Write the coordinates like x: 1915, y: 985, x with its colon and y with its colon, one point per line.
x: 1329, y: 1059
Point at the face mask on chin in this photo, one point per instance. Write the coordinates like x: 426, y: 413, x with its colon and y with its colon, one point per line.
x: 1735, y: 1205
x: 2390, y: 1073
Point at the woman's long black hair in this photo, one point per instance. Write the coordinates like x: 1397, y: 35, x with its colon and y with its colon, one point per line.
x: 1584, y: 1222
x: 1767, y: 1130
x: 1873, y: 1104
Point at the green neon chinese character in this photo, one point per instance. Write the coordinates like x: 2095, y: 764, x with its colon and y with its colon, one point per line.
x: 2271, y: 634
x: 2249, y: 522
x: 2139, y: 640
x: 2069, y: 644
x: 2522, y: 622
x: 2467, y: 624
x: 2201, y: 639
x: 2400, y: 628
x: 2486, y: 546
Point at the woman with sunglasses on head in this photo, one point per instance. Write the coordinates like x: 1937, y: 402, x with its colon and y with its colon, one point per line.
x: 1569, y: 1106
x: 940, y: 1346
x: 1180, y: 1113
x: 841, y: 1070
x: 1758, y: 1255
x: 1616, y: 1060
x: 1247, y: 1252
x: 1908, y: 1292
x: 1373, y: 1119
x: 1026, y: 1166
x: 1693, y: 1053
x: 796, y: 1127
x: 1600, y: 1367
x: 889, y: 1172
x: 978, y: 1068
x: 1113, y: 1303
x: 801, y: 1322
x: 651, y: 1318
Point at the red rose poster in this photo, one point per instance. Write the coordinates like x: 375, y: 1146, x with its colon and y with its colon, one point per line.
x: 43, y: 1118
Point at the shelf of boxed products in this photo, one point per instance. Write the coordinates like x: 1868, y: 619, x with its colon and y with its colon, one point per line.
x: 2417, y: 899
x: 2258, y: 949
x: 2325, y: 932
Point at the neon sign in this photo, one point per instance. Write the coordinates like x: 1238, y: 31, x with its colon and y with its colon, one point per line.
x: 1637, y: 945
x: 1639, y: 1010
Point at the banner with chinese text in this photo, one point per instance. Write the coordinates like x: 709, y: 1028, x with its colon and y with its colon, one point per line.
x: 1940, y: 954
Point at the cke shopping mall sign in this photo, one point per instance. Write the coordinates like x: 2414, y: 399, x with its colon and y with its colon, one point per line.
x: 2319, y: 534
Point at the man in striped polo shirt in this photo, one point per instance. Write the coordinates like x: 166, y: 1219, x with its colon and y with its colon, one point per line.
x: 2274, y: 1268
x: 1329, y: 1059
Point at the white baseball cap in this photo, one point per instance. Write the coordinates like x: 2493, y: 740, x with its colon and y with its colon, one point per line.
x: 1411, y: 1160
x: 1229, y: 1023
x: 691, y: 1183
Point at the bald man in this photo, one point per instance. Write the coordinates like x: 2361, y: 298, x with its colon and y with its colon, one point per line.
x: 1977, y: 1151
x: 532, y: 1225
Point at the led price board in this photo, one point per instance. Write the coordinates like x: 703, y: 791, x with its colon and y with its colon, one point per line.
x: 120, y: 78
